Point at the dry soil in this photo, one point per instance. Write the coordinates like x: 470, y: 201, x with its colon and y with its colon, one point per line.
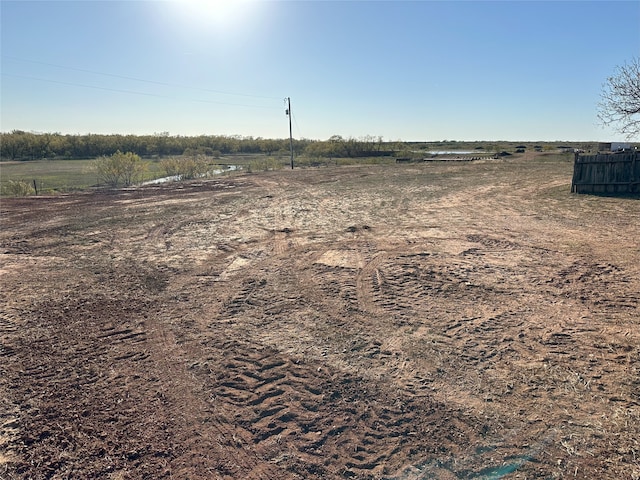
x: 430, y: 321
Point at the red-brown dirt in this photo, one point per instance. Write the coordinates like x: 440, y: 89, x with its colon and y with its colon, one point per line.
x: 445, y: 320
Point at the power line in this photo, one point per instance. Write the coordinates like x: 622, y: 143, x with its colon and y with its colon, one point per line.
x: 297, y: 127
x: 125, y: 77
x: 131, y: 92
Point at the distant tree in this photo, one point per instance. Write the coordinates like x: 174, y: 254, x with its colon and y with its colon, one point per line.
x: 269, y: 146
x: 158, y: 144
x: 11, y: 145
x: 620, y: 99
x: 320, y: 149
x: 337, y: 146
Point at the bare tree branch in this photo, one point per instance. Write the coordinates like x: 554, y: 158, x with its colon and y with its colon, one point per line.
x: 619, y: 104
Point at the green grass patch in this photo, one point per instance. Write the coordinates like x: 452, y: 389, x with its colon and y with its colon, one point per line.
x: 59, y: 176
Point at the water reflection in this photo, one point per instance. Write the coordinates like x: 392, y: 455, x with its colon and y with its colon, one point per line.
x: 175, y: 178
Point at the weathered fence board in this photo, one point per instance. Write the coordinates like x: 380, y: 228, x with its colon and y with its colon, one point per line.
x: 606, y: 173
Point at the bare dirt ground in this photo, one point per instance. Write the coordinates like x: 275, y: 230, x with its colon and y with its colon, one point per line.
x: 428, y: 321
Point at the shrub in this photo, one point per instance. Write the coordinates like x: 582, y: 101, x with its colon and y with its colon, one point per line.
x: 18, y: 188
x: 265, y: 164
x: 187, y: 167
x: 120, y: 169
x: 194, y: 167
x: 171, y: 166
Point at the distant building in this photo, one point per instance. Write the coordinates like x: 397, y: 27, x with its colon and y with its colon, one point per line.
x: 614, y: 147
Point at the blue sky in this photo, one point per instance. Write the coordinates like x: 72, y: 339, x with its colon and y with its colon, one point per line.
x: 422, y: 70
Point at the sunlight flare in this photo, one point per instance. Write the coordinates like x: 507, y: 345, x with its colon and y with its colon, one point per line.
x: 224, y: 15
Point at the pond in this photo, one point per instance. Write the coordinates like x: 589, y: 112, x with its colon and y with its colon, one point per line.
x: 452, y: 152
x: 175, y: 178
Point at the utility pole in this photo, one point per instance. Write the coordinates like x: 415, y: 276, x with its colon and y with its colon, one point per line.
x: 288, y: 113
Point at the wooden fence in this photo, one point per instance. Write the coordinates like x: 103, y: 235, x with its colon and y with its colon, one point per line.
x: 617, y: 173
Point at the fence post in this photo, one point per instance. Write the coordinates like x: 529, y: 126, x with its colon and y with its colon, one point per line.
x: 575, y: 169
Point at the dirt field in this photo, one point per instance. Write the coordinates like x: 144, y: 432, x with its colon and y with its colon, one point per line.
x: 428, y: 321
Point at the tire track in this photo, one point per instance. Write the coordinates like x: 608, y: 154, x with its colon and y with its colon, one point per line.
x: 119, y: 390
x: 315, y: 420
x: 370, y: 282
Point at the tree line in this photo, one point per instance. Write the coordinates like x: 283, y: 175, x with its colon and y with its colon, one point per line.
x: 21, y: 145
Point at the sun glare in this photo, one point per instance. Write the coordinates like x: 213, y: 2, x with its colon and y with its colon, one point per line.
x: 218, y: 14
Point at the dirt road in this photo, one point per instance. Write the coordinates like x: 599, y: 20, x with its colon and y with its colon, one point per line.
x: 443, y: 320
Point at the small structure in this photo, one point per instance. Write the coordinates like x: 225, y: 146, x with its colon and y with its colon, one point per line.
x: 614, y: 147
x: 607, y: 173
